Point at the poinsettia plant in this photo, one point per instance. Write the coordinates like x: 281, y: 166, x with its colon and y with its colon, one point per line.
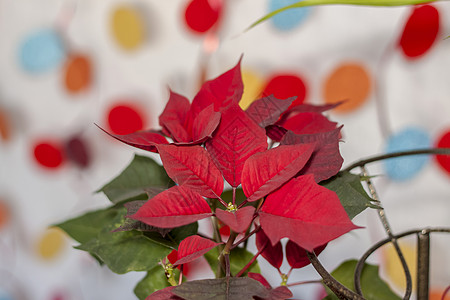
x: 268, y: 172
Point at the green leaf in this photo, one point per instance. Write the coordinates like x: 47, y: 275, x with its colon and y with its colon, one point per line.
x: 142, y: 174
x: 227, y: 196
x: 180, y: 233
x: 212, y: 257
x: 241, y: 288
x: 126, y: 251
x: 239, y: 257
x: 348, y: 2
x: 154, y: 280
x: 351, y: 193
x: 88, y: 226
x: 373, y: 287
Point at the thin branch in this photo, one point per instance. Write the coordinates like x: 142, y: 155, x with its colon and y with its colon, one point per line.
x: 436, y: 151
x: 335, y: 286
x: 303, y: 282
x: 246, y: 237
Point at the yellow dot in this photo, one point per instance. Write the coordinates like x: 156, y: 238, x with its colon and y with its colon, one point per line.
x: 393, y: 266
x: 128, y: 27
x: 51, y: 243
x: 253, y: 86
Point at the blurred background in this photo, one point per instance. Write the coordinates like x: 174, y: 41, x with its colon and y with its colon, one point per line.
x: 66, y: 65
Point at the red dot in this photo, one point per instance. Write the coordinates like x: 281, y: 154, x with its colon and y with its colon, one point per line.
x: 124, y: 119
x: 202, y: 15
x: 420, y: 31
x: 283, y: 86
x: 48, y: 154
x: 444, y: 160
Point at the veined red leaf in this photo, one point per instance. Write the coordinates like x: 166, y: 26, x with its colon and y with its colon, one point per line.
x: 266, y: 171
x: 174, y: 116
x: 266, y: 111
x: 221, y: 91
x: 164, y: 294
x: 174, y: 207
x: 193, y: 247
x: 260, y: 278
x: 273, y: 253
x: 236, y: 139
x: 326, y: 160
x: 239, y: 288
x: 278, y: 293
x: 192, y: 167
x: 302, y: 108
x: 204, y: 125
x: 296, y: 255
x: 308, y: 123
x: 145, y: 139
x: 305, y: 212
x: 238, y: 220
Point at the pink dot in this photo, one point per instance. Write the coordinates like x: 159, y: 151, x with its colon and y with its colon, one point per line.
x: 444, y: 160
x: 48, y: 154
x: 286, y: 85
x: 124, y: 119
x: 202, y: 15
x: 420, y: 31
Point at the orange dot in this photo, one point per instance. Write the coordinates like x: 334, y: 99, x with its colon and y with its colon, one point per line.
x: 78, y: 73
x: 350, y: 82
x: 4, y: 213
x: 5, y: 129
x: 436, y: 294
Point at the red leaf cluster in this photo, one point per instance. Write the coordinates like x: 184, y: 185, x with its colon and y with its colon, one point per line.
x: 210, y: 142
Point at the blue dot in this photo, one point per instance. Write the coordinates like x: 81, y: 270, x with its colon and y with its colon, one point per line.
x: 404, y: 168
x: 290, y: 18
x: 41, y: 51
x: 5, y: 295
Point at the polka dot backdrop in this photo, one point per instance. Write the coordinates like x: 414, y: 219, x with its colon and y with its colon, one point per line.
x: 67, y: 66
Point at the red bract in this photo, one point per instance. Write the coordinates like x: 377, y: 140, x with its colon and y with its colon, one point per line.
x: 236, y: 139
x: 279, y: 293
x: 174, y: 207
x: 266, y: 171
x: 326, y: 160
x: 192, y: 248
x: 146, y: 139
x: 296, y: 255
x: 308, y: 123
x: 305, y: 212
x: 192, y: 167
x: 266, y: 111
x: 178, y: 123
x: 272, y: 253
x: 238, y: 220
x: 221, y: 91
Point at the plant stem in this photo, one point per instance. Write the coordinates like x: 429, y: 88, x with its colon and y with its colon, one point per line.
x: 224, y: 258
x: 252, y: 260
x: 438, y: 151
